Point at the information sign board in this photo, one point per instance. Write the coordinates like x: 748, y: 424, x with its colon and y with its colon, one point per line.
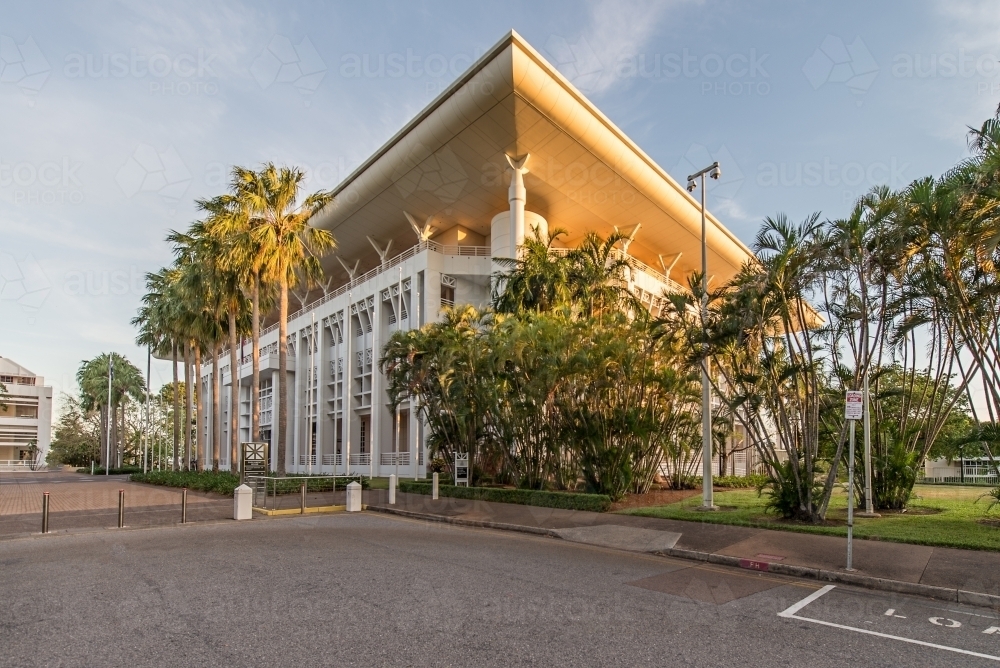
x: 854, y: 406
x: 462, y: 468
x: 255, y: 458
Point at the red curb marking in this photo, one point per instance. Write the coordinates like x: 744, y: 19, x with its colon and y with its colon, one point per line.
x: 754, y: 565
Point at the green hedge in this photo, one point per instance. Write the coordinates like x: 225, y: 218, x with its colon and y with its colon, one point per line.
x: 224, y: 482
x: 597, y: 503
x: 289, y: 484
x: 752, y: 481
x: 119, y: 471
x: 220, y: 482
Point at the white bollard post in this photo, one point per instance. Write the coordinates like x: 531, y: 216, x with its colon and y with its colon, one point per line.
x: 354, y: 497
x: 243, y: 503
x: 392, y: 489
x: 434, y: 487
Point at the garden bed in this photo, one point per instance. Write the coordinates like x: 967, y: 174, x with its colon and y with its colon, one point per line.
x: 598, y: 503
x: 938, y: 516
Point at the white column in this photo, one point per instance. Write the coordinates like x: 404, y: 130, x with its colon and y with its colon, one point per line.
x: 516, y: 196
x: 296, y: 411
x: 376, y: 414
x: 319, y: 394
x: 348, y: 386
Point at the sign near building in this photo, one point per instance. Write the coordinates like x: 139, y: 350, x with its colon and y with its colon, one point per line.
x: 255, y: 458
x: 854, y: 406
x: 462, y: 468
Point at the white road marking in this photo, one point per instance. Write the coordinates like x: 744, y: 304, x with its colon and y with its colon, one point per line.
x: 992, y: 630
x: 789, y: 613
x: 891, y: 612
x: 950, y: 623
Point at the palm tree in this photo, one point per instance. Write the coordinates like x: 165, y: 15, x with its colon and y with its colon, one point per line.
x: 286, y: 250
x: 599, y: 276
x: 231, y: 222
x: 202, y: 284
x: 537, y: 280
x: 126, y: 383
x: 160, y: 326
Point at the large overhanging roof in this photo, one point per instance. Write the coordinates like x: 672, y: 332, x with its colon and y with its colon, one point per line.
x: 584, y: 173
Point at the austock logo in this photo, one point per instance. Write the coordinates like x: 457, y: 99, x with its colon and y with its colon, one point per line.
x: 23, y: 64
x: 836, y: 62
x: 23, y: 282
x: 283, y: 62
x: 150, y: 171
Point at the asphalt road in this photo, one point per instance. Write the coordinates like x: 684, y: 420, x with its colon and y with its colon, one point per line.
x: 369, y: 589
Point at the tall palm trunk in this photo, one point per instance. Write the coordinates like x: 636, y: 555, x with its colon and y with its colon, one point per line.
x: 255, y: 356
x: 199, y: 410
x: 216, y: 406
x: 234, y: 396
x: 282, y: 373
x: 177, y: 407
x: 188, y: 405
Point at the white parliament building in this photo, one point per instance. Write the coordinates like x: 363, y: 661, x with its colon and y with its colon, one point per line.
x: 510, y: 147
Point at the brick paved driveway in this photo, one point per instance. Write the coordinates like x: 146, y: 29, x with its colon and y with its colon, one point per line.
x: 80, y: 501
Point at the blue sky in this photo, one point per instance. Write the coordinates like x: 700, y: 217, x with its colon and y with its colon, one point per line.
x: 116, y: 117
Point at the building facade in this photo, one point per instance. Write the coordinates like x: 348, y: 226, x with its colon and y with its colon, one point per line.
x: 25, y: 418
x: 510, y: 149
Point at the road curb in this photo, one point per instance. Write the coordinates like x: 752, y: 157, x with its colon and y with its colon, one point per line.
x: 977, y: 599
x: 482, y: 524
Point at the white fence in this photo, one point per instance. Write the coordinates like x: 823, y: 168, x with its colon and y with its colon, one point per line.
x: 16, y: 465
x: 395, y: 459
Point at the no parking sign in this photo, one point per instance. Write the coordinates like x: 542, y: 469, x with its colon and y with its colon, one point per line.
x: 854, y: 406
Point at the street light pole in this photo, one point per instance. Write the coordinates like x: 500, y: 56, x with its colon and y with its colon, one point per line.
x: 110, y: 421
x: 708, y: 497
x: 145, y: 436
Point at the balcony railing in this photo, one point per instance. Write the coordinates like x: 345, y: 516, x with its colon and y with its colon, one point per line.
x: 304, y: 460
x: 361, y: 458
x: 395, y: 458
x: 671, y: 285
x: 333, y: 460
x: 461, y: 251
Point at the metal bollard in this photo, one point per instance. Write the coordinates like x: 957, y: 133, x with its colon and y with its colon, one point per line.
x: 45, y: 512
x: 302, y: 510
x: 121, y: 508
x: 434, y: 487
x: 392, y: 490
x: 184, y: 505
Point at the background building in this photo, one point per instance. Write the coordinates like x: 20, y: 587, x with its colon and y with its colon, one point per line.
x: 27, y: 419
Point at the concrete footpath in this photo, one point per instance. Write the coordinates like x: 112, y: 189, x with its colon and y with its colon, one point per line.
x: 965, y: 576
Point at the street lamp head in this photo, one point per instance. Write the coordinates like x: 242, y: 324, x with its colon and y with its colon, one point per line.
x: 691, y: 185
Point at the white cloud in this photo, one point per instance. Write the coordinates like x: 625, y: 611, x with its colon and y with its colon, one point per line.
x: 616, y: 30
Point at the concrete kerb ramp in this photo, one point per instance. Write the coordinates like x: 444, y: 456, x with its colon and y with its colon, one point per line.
x: 621, y: 537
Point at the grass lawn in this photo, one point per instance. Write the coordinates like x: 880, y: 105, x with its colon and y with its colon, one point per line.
x: 943, y: 515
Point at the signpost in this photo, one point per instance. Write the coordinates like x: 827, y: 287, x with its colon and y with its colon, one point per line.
x: 854, y: 408
x: 255, y: 459
x: 462, y: 468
